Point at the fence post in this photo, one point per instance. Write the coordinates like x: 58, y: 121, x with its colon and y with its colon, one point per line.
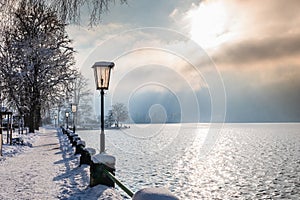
x: 101, y: 162
x: 0, y: 140
x: 86, y: 154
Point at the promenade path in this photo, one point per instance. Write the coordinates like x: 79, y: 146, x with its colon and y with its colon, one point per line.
x: 48, y: 170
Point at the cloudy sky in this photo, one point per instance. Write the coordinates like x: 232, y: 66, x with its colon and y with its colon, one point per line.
x: 191, y: 60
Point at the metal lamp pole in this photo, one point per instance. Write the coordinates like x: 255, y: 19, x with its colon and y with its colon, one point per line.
x: 102, y: 136
x: 55, y: 118
x: 67, y: 119
x: 74, y: 123
x: 74, y: 110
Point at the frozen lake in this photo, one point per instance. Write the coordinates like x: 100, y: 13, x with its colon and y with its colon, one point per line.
x: 205, y: 161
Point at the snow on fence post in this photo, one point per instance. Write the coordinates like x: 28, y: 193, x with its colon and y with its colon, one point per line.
x: 154, y: 194
x: 99, y: 164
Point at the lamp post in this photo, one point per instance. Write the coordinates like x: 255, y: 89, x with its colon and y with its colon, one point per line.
x: 102, y: 75
x: 74, y: 109
x: 67, y: 117
x: 55, y: 118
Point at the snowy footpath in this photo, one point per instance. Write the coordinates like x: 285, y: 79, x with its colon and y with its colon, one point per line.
x: 46, y: 168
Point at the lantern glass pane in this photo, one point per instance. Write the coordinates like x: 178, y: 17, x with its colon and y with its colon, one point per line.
x: 102, y: 77
x: 102, y: 74
x: 74, y: 108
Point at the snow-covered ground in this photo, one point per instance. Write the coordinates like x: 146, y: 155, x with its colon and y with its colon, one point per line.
x: 46, y: 168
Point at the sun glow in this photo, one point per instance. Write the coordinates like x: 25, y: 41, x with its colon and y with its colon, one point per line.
x: 209, y: 24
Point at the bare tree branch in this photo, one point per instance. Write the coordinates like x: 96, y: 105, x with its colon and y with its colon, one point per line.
x: 70, y: 11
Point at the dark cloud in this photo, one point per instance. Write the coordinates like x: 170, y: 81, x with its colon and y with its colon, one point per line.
x: 140, y: 107
x: 274, y: 102
x: 256, y: 50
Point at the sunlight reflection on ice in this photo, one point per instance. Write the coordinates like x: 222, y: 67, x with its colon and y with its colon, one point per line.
x: 251, y: 161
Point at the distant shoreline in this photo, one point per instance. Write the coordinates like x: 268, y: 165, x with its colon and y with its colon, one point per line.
x: 200, y: 123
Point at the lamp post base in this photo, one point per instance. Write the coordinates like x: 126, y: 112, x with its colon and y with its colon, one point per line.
x: 102, y: 142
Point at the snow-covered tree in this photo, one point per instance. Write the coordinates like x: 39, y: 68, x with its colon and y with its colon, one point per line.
x: 36, y: 60
x: 109, y: 119
x: 120, y: 113
x: 82, y: 97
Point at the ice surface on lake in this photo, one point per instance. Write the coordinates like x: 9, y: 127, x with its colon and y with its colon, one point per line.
x: 250, y: 161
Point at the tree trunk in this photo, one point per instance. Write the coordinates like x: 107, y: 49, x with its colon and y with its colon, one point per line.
x: 29, y: 121
x: 37, y: 117
x: 37, y: 109
x: 33, y: 117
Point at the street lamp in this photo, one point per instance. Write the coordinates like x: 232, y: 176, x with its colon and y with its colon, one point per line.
x: 67, y: 116
x: 74, y: 109
x: 55, y: 118
x: 102, y: 75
